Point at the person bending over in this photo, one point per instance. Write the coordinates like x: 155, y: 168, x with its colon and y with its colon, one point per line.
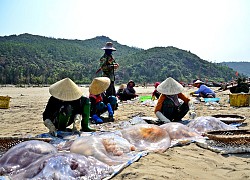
x: 100, y: 102
x: 203, y: 90
x: 168, y: 108
x: 66, y: 106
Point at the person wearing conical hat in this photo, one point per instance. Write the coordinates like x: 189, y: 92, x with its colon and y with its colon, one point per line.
x: 203, y: 90
x: 108, y: 66
x: 119, y: 93
x: 100, y: 102
x: 168, y: 108
x: 66, y: 106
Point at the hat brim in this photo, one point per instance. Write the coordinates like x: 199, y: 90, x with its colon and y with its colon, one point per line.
x: 198, y: 82
x: 110, y: 48
x: 99, y: 85
x: 65, y: 90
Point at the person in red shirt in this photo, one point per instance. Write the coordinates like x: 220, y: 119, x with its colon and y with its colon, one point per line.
x: 168, y: 108
x: 100, y: 102
x: 156, y: 94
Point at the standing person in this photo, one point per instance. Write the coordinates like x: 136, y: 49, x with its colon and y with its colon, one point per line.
x: 168, y: 107
x: 108, y: 67
x: 100, y: 102
x: 203, y: 90
x: 66, y: 106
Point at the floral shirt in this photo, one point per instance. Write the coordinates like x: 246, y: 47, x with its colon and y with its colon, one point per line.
x: 107, y: 65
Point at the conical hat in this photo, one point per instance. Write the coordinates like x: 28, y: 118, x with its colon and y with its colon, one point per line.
x: 170, y: 87
x: 99, y: 85
x: 65, y: 90
x: 122, y: 86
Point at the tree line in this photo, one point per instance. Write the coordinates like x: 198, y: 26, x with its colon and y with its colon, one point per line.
x: 31, y: 59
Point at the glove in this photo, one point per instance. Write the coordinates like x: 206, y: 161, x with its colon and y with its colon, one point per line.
x: 116, y: 66
x: 191, y: 93
x: 162, y: 117
x: 191, y: 105
x: 192, y: 113
x: 77, y: 123
x: 96, y: 119
x: 51, y: 127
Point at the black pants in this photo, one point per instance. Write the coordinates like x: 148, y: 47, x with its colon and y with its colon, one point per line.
x: 173, y: 112
x: 111, y: 89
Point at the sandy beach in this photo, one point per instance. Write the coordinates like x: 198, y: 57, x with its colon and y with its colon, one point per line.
x: 24, y: 118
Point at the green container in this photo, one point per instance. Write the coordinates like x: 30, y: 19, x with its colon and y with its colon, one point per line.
x: 144, y: 98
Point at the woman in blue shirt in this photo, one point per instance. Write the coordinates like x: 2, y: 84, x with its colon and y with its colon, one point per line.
x: 203, y: 90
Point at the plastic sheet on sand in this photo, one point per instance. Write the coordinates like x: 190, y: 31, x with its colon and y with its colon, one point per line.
x: 65, y: 137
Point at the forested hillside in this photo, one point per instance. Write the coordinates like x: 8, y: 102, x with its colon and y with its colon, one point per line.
x: 35, y: 59
x: 157, y: 63
x: 241, y: 67
x: 32, y: 59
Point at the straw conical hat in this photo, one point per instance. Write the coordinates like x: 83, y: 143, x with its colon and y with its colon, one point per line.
x: 122, y: 86
x: 65, y: 90
x: 99, y: 85
x: 170, y: 87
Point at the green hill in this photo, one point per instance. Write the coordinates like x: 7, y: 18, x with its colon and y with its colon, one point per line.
x: 241, y: 67
x: 157, y: 63
x: 31, y: 59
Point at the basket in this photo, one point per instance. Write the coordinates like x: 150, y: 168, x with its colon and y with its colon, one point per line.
x: 8, y: 142
x: 239, y: 99
x: 234, y: 137
x: 230, y: 118
x: 4, y: 102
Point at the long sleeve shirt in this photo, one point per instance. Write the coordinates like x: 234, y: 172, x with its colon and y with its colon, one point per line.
x: 204, y: 90
x: 129, y: 91
x: 163, y: 97
x: 107, y: 65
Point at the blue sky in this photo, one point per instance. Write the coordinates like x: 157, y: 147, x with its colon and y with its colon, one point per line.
x: 215, y: 30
